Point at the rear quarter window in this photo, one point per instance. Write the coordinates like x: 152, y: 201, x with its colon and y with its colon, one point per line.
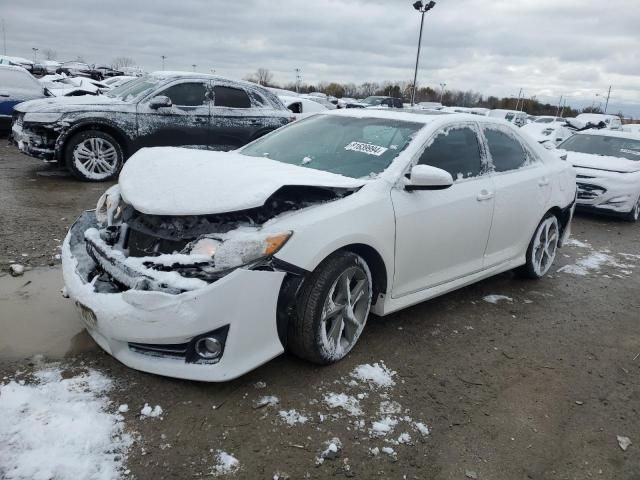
x: 231, y: 97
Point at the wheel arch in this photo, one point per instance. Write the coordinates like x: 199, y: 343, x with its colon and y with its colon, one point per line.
x: 376, y: 265
x: 106, y: 127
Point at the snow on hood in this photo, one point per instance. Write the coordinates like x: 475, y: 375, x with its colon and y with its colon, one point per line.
x: 601, y: 162
x: 178, y: 181
x: 66, y: 104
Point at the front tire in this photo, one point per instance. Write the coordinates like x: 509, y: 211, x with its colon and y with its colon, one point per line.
x: 94, y: 156
x: 332, y: 309
x: 542, y: 248
x: 634, y: 214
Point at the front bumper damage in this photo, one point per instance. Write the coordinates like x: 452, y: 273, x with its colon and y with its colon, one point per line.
x: 35, y: 139
x: 606, y: 192
x: 150, y: 320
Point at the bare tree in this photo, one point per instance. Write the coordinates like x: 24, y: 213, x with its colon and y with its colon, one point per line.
x: 122, y: 62
x: 261, y: 76
x: 49, y: 54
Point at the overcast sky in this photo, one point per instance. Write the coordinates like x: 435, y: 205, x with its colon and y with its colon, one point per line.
x: 575, y: 48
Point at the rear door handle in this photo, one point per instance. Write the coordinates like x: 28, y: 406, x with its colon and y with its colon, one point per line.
x: 484, y: 195
x: 201, y: 120
x: 543, y: 182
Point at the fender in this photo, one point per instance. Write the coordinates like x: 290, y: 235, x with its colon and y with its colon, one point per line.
x: 104, y: 124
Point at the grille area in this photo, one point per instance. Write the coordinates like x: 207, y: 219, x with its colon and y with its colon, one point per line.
x: 587, y: 191
x: 175, y: 350
x: 141, y: 244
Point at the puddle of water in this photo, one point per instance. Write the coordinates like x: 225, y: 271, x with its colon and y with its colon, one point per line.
x: 36, y: 319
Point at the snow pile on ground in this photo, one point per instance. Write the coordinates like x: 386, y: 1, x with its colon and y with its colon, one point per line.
x: 344, y: 401
x: 383, y: 426
x: 292, y: 417
x: 59, y: 428
x: 422, y: 428
x: 497, y: 298
x: 331, y: 451
x: 593, y: 263
x: 266, y: 401
x: 377, y: 375
x: 225, y: 464
x: 147, y: 411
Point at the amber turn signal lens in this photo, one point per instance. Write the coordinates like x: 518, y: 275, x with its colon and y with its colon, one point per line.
x: 275, y: 243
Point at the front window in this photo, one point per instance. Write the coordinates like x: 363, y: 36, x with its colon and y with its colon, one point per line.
x: 455, y: 150
x: 354, y: 147
x: 134, y: 89
x: 603, y: 145
x: 191, y: 94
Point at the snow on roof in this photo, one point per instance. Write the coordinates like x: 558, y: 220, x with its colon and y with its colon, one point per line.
x: 6, y: 58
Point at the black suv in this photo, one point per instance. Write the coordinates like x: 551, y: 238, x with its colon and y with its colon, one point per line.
x: 93, y: 135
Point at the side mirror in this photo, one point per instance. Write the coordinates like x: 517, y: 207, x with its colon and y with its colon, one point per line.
x: 160, y: 101
x: 426, y: 177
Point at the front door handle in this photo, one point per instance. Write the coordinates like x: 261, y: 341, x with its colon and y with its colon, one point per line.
x: 543, y: 182
x: 201, y: 120
x: 484, y: 195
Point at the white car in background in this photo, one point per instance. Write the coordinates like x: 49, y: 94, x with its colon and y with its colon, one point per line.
x: 302, y: 107
x: 548, y: 119
x: 548, y: 133
x: 612, y: 122
x: 203, y: 265
x: 512, y: 116
x: 607, y: 164
x: 113, y: 82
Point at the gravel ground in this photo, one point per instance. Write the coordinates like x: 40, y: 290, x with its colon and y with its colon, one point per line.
x: 535, y: 387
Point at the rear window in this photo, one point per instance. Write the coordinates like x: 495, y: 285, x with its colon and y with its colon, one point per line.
x: 231, y: 97
x: 12, y: 80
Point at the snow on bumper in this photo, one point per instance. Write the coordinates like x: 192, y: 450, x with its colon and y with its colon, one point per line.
x: 608, y: 191
x: 40, y: 145
x: 244, y: 300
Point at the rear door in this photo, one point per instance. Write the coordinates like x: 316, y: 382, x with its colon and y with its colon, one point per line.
x: 522, y: 189
x: 234, y: 119
x: 441, y: 235
x: 185, y: 123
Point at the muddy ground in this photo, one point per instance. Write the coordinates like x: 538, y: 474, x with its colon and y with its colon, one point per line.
x: 533, y: 388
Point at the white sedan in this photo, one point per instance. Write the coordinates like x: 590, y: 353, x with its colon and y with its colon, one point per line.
x: 302, y: 107
x: 204, y: 265
x: 607, y: 164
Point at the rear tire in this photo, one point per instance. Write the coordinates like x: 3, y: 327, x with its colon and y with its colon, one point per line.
x: 94, y: 156
x: 542, y: 248
x: 332, y: 309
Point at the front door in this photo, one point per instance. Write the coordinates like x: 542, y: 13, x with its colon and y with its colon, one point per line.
x: 441, y: 235
x: 185, y: 123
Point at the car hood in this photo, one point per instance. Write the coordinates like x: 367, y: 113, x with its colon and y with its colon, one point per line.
x: 68, y: 104
x: 178, y: 181
x: 600, y: 162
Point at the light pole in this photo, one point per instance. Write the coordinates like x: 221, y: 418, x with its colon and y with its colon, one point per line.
x: 422, y: 8
x: 518, y: 102
x: 606, y: 105
x: 35, y: 54
x: 442, y: 85
x: 194, y: 67
x: 163, y: 58
x: 558, y: 110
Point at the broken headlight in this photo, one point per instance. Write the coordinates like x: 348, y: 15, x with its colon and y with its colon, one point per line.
x: 239, y: 248
x: 109, y: 207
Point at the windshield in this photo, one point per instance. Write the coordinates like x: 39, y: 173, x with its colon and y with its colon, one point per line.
x: 373, y: 100
x: 545, y: 120
x: 603, y: 145
x: 354, y: 147
x: 134, y: 89
x: 11, y: 79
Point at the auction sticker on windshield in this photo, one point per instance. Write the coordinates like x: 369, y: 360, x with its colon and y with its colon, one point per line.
x: 367, y: 148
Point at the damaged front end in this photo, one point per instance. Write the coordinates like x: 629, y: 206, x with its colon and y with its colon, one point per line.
x: 36, y: 134
x: 126, y: 249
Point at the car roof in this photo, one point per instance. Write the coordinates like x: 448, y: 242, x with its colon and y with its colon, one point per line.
x: 13, y: 67
x: 605, y: 132
x: 168, y: 74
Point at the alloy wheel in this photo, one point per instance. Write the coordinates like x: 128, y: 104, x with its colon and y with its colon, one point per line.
x: 345, y: 311
x: 96, y: 158
x: 545, y: 245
